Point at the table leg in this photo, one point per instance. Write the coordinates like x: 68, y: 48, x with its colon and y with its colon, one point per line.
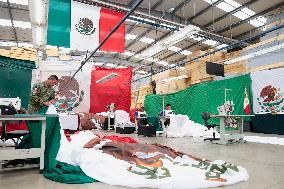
x: 42, y: 144
x: 241, y: 125
x: 222, y: 131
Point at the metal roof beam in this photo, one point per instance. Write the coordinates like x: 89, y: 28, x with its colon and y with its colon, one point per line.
x: 204, y: 10
x: 180, y: 6
x: 157, y: 4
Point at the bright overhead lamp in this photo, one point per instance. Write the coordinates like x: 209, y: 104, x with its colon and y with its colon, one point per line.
x: 196, y: 38
x: 221, y: 46
x: 225, y: 7
x: 173, y: 39
x: 233, y: 3
x: 146, y: 40
x: 7, y: 44
x: 210, y: 1
x: 210, y: 42
x: 152, y: 59
x: 181, y: 35
x: 98, y: 63
x: 162, y: 62
x: 107, y: 78
x: 130, y: 36
x: 17, y: 24
x: 128, y: 53
x: 110, y: 65
x: 186, y: 52
x: 141, y: 72
x: 259, y: 21
x: 174, y: 48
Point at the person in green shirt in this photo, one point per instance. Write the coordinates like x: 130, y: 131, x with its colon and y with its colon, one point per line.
x: 42, y: 94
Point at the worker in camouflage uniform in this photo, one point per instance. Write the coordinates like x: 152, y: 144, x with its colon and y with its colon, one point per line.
x: 42, y: 94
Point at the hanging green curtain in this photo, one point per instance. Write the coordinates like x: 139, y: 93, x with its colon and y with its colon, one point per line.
x: 203, y: 97
x: 15, y: 78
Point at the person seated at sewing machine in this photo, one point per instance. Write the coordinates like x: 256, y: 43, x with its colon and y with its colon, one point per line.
x: 42, y: 94
x: 141, y: 116
x: 166, y: 113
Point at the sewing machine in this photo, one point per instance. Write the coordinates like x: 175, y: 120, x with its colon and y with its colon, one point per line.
x: 228, y: 120
x: 9, y: 105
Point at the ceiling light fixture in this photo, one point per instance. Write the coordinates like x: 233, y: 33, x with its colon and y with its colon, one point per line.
x: 130, y: 36
x: 175, y: 38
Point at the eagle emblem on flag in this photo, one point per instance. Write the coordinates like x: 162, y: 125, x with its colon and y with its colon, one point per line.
x: 85, y: 26
x: 68, y: 94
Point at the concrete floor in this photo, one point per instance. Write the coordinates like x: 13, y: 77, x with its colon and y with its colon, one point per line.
x: 264, y: 162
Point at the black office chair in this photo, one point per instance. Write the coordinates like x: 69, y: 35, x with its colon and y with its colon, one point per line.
x: 206, y: 116
x: 16, y: 134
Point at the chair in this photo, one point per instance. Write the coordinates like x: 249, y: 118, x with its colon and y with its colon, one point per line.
x: 18, y: 130
x: 206, y: 116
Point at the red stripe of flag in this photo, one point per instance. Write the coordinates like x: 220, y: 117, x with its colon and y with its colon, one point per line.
x: 109, y: 19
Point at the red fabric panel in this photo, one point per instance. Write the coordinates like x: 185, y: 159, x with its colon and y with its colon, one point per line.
x: 121, y: 139
x: 14, y: 125
x: 116, y: 90
x: 109, y: 19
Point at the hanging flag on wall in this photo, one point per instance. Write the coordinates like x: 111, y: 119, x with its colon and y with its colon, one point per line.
x: 82, y: 27
x: 114, y: 90
x: 246, y: 103
x: 268, y: 91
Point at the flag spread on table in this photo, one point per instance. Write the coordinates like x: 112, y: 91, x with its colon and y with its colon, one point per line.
x: 81, y: 26
x: 246, y: 103
x: 82, y: 94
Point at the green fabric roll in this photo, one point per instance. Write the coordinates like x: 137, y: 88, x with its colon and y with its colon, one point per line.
x: 53, y: 169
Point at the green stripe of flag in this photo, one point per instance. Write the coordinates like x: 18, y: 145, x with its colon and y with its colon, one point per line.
x: 59, y: 22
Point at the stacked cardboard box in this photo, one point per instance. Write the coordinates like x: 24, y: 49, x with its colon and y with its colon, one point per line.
x: 171, y: 87
x: 138, y: 96
x: 23, y: 53
x: 164, y: 84
x: 232, y: 55
x: 20, y: 53
x: 197, y: 69
x: 236, y: 68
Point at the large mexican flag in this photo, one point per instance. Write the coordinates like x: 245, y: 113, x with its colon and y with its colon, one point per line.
x: 81, y: 26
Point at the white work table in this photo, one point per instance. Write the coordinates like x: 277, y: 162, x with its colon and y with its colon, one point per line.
x: 236, y: 134
x: 11, y: 154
